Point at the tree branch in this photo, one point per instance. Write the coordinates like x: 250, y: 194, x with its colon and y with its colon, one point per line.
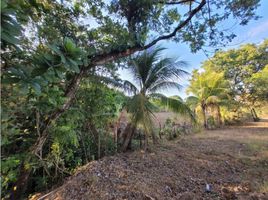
x: 104, y: 58
x: 69, y: 94
x: 175, y: 2
x: 180, y: 26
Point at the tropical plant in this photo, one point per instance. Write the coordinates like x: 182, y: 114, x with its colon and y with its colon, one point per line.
x: 152, y: 74
x: 209, y: 90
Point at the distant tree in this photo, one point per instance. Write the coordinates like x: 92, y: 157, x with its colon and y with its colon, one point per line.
x: 257, y: 90
x: 239, y: 66
x: 209, y: 90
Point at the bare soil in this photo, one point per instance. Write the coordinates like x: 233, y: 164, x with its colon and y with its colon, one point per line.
x: 232, y: 160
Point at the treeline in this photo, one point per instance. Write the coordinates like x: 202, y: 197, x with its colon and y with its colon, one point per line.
x: 230, y: 85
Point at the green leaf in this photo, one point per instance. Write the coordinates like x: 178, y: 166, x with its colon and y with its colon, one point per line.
x: 10, y: 80
x: 86, y: 61
x: 63, y: 59
x: 54, y: 48
x: 36, y: 87
x: 73, y: 66
x: 48, y: 57
x: 3, y: 5
x: 39, y: 71
x: 58, y: 51
x: 17, y: 72
x: 24, y: 88
x: 91, y: 50
x: 9, y: 38
x: 69, y: 45
x: 11, y: 27
x: 59, y: 73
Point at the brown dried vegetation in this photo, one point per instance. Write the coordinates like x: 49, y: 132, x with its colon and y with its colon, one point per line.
x: 233, y: 160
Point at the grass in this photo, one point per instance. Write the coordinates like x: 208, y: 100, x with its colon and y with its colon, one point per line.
x: 264, y: 187
x: 257, y: 145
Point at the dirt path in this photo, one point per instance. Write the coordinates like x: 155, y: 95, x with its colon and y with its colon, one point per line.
x: 234, y: 161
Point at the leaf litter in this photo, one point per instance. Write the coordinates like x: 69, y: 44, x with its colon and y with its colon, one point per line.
x: 180, y: 169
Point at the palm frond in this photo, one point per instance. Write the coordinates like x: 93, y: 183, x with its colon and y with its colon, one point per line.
x: 174, y: 105
x: 176, y: 97
x: 150, y: 71
x: 212, y: 100
x: 141, y: 64
x: 193, y: 102
x: 164, y: 85
x: 118, y: 83
x: 129, y: 87
x: 141, y: 110
x: 166, y: 69
x: 134, y: 70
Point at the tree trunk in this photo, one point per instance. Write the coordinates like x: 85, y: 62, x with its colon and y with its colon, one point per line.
x: 140, y: 139
x: 36, y: 149
x: 254, y: 115
x: 146, y: 143
x: 93, y: 131
x: 99, y: 147
x: 219, y: 118
x: 84, y: 148
x: 204, y: 116
x: 160, y: 131
x: 155, y: 139
x: 127, y: 137
x: 117, y: 130
x: 20, y: 186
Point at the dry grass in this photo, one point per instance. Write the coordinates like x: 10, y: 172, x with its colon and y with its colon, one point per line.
x: 234, y: 160
x: 264, y: 187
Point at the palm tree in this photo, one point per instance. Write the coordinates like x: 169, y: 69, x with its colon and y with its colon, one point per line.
x: 209, y: 90
x: 152, y: 74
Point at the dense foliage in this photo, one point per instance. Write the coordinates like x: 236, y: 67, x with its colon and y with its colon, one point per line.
x: 56, y: 57
x: 235, y: 79
x: 80, y: 135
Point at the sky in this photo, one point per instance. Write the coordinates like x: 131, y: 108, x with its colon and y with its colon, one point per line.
x: 253, y: 32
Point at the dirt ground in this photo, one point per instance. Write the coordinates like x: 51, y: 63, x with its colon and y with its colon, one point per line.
x: 232, y: 160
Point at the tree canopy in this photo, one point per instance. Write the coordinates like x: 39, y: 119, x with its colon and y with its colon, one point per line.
x: 241, y: 73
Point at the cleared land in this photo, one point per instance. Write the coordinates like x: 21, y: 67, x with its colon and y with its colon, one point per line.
x: 233, y: 160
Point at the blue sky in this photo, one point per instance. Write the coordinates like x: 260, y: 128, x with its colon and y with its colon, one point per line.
x: 253, y: 32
